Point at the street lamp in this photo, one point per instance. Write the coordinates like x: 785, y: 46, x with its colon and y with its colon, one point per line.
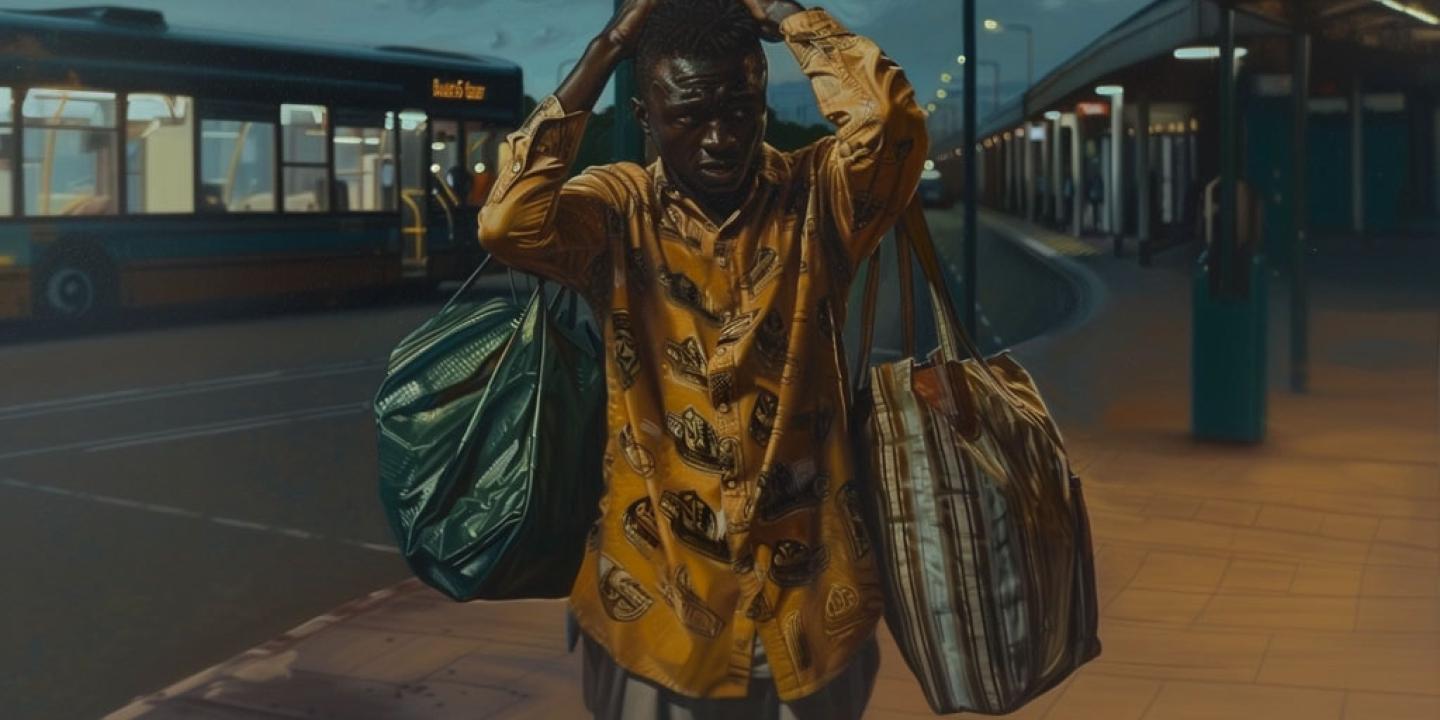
x: 995, y: 26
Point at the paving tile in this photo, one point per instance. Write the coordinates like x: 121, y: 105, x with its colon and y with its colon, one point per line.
x: 1228, y: 512
x: 897, y: 695
x: 1298, y: 546
x: 1278, y: 517
x: 1180, y: 700
x: 1411, y: 615
x: 1349, y: 527
x: 1180, y: 571
x: 1383, y: 553
x: 1173, y: 506
x: 1280, y: 611
x: 499, y: 663
x: 1153, y: 652
x: 1391, y: 581
x: 1158, y: 606
x: 1115, y: 567
x: 1378, y: 662
x: 1375, y: 706
x: 304, y: 694
x: 1410, y: 532
x: 1096, y: 695
x: 1263, y: 575
x: 1327, y: 579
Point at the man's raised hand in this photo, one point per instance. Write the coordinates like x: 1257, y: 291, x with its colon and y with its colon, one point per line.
x: 770, y: 13
x: 629, y: 22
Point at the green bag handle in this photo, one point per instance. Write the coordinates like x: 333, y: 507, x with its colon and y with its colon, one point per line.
x: 571, y: 314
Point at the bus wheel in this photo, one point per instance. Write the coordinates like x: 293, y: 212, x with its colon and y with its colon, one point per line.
x: 75, y: 287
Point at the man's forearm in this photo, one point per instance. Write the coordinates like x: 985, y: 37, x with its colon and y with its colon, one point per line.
x: 581, y: 90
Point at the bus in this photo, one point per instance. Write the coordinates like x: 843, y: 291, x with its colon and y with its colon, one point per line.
x: 143, y: 166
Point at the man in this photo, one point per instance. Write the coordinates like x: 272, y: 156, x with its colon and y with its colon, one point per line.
x: 730, y: 574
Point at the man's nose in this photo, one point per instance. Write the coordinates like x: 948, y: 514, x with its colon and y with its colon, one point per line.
x: 718, y: 138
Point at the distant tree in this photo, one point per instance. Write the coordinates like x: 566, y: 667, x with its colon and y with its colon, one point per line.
x: 790, y: 136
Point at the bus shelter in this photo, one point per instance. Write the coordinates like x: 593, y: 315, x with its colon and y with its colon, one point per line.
x: 1252, y: 126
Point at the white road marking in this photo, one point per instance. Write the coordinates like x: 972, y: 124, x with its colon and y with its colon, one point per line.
x: 223, y: 521
x: 160, y: 392
x: 193, y: 431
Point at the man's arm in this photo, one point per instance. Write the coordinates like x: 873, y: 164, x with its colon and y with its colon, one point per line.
x: 533, y: 219
x: 871, y: 168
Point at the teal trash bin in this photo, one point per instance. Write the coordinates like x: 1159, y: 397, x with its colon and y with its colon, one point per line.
x: 1227, y: 355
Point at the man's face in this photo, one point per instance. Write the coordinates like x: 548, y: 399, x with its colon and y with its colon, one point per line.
x: 708, y: 120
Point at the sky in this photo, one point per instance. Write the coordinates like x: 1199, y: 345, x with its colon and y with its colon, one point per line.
x: 541, y: 35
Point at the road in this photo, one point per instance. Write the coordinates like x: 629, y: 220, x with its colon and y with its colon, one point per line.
x: 175, y: 492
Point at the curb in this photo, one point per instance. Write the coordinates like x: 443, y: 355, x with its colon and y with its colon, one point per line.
x: 1090, y: 292
x: 256, y: 659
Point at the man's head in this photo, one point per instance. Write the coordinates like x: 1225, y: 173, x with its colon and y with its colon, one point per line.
x: 702, y: 79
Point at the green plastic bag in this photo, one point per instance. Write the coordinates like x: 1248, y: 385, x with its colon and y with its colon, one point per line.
x: 491, y: 435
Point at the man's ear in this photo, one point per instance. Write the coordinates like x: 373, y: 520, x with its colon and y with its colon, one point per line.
x: 642, y: 114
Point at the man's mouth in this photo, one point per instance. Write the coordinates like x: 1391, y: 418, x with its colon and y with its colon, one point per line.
x: 718, y: 169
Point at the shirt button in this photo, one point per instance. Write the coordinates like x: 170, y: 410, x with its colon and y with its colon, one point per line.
x: 731, y: 483
x: 724, y: 407
x: 724, y: 262
x: 723, y: 350
x: 516, y: 167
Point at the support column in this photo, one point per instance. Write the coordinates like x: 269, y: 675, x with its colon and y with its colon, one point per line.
x: 1223, y: 251
x: 971, y: 145
x: 1056, y: 167
x: 1142, y: 180
x: 1357, y: 155
x: 1116, y: 182
x: 1027, y: 156
x: 1300, y: 207
x: 1077, y: 194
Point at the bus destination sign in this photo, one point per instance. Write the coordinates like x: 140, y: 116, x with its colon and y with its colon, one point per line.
x: 457, y: 90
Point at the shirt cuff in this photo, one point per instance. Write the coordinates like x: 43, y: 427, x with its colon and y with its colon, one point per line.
x: 812, y: 24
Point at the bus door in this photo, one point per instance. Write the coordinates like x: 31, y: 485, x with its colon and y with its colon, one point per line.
x: 414, y: 191
x: 452, y: 227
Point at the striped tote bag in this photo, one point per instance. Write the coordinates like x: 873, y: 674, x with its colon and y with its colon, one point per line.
x: 984, y: 541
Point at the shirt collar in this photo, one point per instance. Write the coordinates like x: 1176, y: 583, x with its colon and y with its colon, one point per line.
x: 770, y: 176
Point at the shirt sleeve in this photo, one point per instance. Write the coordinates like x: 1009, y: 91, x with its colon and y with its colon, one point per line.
x: 869, y: 170
x: 537, y: 221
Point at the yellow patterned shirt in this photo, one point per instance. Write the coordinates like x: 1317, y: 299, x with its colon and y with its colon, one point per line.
x: 730, y: 506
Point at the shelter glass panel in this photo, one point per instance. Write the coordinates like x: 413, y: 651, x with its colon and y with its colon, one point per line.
x: 365, y: 168
x: 70, y: 156
x: 237, y: 166
x: 304, y: 154
x: 159, y: 154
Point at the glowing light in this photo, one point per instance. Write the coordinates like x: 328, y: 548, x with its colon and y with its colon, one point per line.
x: 1052, y: 115
x: 1416, y: 12
x: 437, y: 146
x: 929, y: 164
x: 946, y: 77
x: 1109, y: 90
x: 992, y: 25
x: 479, y: 168
x: 960, y: 60
x: 435, y: 168
x: 1205, y: 52
x: 941, y: 94
x: 931, y: 107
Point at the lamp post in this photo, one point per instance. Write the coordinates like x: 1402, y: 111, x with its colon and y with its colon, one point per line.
x: 995, y: 26
x: 972, y: 239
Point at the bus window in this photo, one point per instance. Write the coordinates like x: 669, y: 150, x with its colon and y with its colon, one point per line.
x: 445, y: 160
x: 70, y: 155
x: 482, y: 151
x: 365, y: 168
x: 237, y: 166
x: 303, y: 156
x: 7, y: 153
x: 159, y: 154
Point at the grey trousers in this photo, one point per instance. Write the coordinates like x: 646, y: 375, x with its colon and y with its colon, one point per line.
x: 612, y: 693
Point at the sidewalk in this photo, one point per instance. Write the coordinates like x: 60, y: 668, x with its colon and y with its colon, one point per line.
x: 1295, y: 579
